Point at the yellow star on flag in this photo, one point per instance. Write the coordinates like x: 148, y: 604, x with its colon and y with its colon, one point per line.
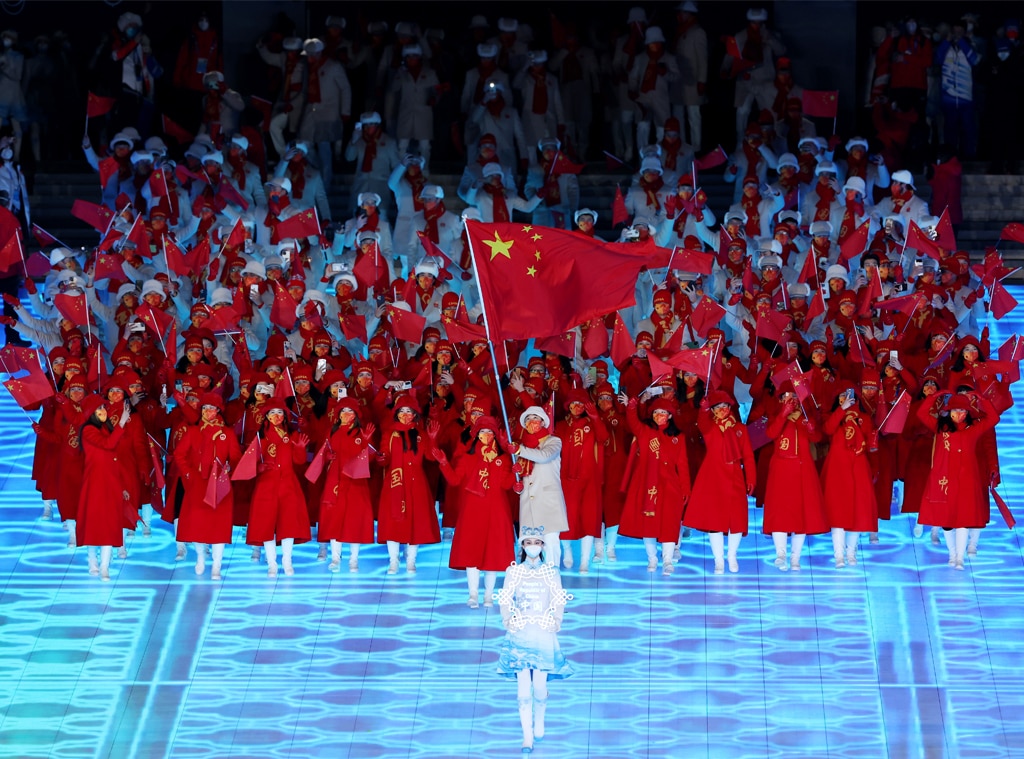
x: 527, y: 229
x: 531, y: 270
x: 536, y: 237
x: 499, y: 247
x: 536, y: 254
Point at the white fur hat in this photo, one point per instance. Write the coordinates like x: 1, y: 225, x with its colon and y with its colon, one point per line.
x: 538, y: 57
x: 904, y: 177
x: 220, y: 295
x: 788, y: 159
x: 821, y: 228
x: 427, y: 266
x: 653, y: 34
x: 153, y: 286
x: 651, y: 164
x: 368, y: 197
x: 280, y: 183
x: 835, y: 271
x: 432, y: 192
x: 256, y: 269
x: 487, y: 50
x: 584, y: 212
x: 823, y: 167
x: 757, y: 14
x: 535, y: 411
x: 492, y: 169
x: 856, y: 184
x: 507, y: 25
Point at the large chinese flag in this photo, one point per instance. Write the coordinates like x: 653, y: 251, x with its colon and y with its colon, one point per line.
x: 821, y: 103
x: 540, y: 281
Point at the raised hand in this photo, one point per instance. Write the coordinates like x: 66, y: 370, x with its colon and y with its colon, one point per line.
x: 369, y: 429
x: 301, y: 439
x: 433, y: 429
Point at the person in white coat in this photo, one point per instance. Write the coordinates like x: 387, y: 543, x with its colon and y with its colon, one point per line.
x: 654, y: 72
x: 308, y: 187
x: 541, y: 503
x: 824, y: 201
x: 542, y: 115
x: 497, y: 117
x: 441, y: 226
x: 579, y: 81
x: 243, y: 174
x: 690, y: 89
x: 495, y: 201
x: 755, y: 72
x: 902, y: 202
x: 870, y: 168
x: 287, y: 107
x: 375, y: 154
x: 473, y: 174
x: 414, y: 89
x: 474, y: 88
x: 406, y: 183
x: 328, y: 105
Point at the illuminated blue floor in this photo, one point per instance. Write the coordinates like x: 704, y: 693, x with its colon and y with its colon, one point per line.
x: 899, y: 656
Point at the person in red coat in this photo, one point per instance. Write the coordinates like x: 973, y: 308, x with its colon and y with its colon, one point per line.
x: 917, y: 441
x: 484, y: 533
x: 406, y: 510
x: 101, y: 502
x: 616, y: 457
x: 793, y: 499
x: 205, y: 456
x: 278, y: 510
x: 952, y: 496
x: 583, y: 436
x: 718, y: 503
x: 846, y: 478
x: 346, y: 511
x: 659, y: 482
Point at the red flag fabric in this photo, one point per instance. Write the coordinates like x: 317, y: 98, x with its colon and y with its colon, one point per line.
x: 595, y: 339
x: 108, y: 266
x: 73, y: 308
x: 739, y: 63
x: 236, y: 238
x: 772, y: 325
x: 246, y: 467
x: 1003, y: 508
x: 358, y: 467
x: 619, y: 213
x: 11, y: 253
x: 175, y: 258
x: 920, y: 242
x: 432, y: 250
x: 44, y: 238
x: 371, y: 269
x: 265, y: 107
x: 282, y: 313
x: 154, y: 459
x: 405, y: 325
x: 240, y: 356
x: 1001, y: 302
x: 944, y: 232
x: 14, y: 358
x: 1010, y: 352
x: 38, y: 265
x: 1013, y: 231
x: 175, y: 130
x: 184, y: 175
x: 316, y: 466
x: 706, y: 314
x: 156, y: 319
x: 301, y: 225
x: 284, y: 388
x: 224, y: 319
x: 697, y: 361
x: 563, y: 344
x: 353, y: 326
x: 867, y: 296
x: 158, y: 183
x: 758, y: 432
x: 905, y: 304
x: 545, y: 281
x: 459, y: 331
x: 802, y: 386
x: 659, y: 369
x: 623, y: 345
x: 789, y: 372
x: 217, y: 487
x: 226, y: 192
x: 853, y: 245
x: 896, y: 419
x: 821, y: 103
x: 693, y: 260
x: 96, y: 216
x: 98, y: 105
x: 716, y: 157
x: 816, y: 307
x: 198, y: 258
x: 29, y: 390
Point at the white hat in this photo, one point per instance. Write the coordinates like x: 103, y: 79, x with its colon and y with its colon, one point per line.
x: 854, y: 142
x: 68, y: 277
x: 771, y: 245
x: 549, y: 142
x: 507, y: 25
x: 312, y: 46
x: 59, y: 254
x: 650, y: 150
x: 280, y: 183
x: 368, y: 197
x: 471, y: 214
x: 835, y: 271
x: 584, y: 212
x: 645, y: 221
x: 427, y: 266
x: 793, y: 216
x: 128, y: 19
x: 688, y: 7
x: 653, y: 34
x: 735, y: 212
x: 239, y: 141
x: 256, y: 269
x: 799, y: 290
x: 821, y: 228
x: 153, y: 286
x: 636, y: 16
x: 122, y: 138
x: 367, y: 234
x: 292, y: 43
x: 478, y: 22
x: 220, y: 295
x: 432, y: 192
x: 492, y: 169
x: 213, y: 77
x: 770, y: 260
x: 346, y: 276
x: 370, y: 117
x: 905, y: 177
x: 411, y: 158
x: 927, y: 222
x: 156, y: 145
x: 377, y: 28
x: 126, y: 289
x: 788, y: 159
x: 405, y: 29
x: 197, y: 150
x: 412, y: 50
x: 487, y: 50
x: 273, y: 262
x: 856, y: 184
x: 757, y: 14
x: 214, y: 157
x: 825, y: 166
x: 687, y: 276
x: 807, y: 141
x: 535, y: 411
x: 538, y: 57
x: 338, y: 21
x: 651, y: 164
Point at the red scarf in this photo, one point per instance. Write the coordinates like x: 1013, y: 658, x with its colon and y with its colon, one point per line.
x: 237, y: 164
x: 751, y: 206
x: 753, y: 49
x: 530, y: 440
x: 651, y: 190
x: 853, y: 433
x: 313, y: 86
x: 857, y: 168
x: 297, y: 176
x: 416, y: 184
x: 824, y: 206
x: 552, y: 190
x: 273, y: 218
x: 662, y: 327
x: 540, y: 93
x: 849, y: 223
x: 754, y: 159
x: 431, y: 218
x: 497, y: 194
x: 370, y: 154
x: 650, y: 79
x: 807, y: 165
x: 670, y: 152
x: 900, y: 199
x: 372, y: 222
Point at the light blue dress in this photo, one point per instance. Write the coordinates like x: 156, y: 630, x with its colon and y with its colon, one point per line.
x: 532, y: 601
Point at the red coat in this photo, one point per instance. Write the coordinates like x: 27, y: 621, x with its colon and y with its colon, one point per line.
x: 101, y: 503
x: 917, y: 441
x: 198, y: 54
x: 659, y: 483
x: 346, y: 512
x: 278, y: 508
x: 793, y: 499
x: 199, y: 448
x: 406, y: 510
x: 952, y: 495
x: 718, y: 502
x: 62, y: 434
x: 583, y: 442
x: 616, y: 457
x: 46, y: 455
x: 484, y: 534
x: 846, y: 478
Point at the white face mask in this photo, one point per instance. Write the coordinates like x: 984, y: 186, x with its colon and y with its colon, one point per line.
x: 533, y: 551
x: 7, y: 154
x: 1003, y: 55
x: 8, y: 42
x: 911, y: 27
x: 204, y: 25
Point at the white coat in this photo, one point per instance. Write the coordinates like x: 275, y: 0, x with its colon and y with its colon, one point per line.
x: 542, y: 504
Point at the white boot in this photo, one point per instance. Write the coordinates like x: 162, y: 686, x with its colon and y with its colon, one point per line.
x: 72, y: 535
x: 47, y: 511
x: 94, y: 567
x: 218, y: 559
x: 667, y: 564
x: 779, y: 539
x: 540, y: 707
x: 473, y: 581
x: 567, y: 561
x: 611, y: 535
x: 586, y: 547
x: 393, y: 549
x: 973, y: 535
x: 255, y: 554
x: 796, y: 547
x: 122, y: 550
x: 200, y: 550
x: 489, y: 580
x: 734, y: 545
x: 651, y: 546
x: 335, y: 564
x: 105, y: 554
x: 918, y: 527
x: 526, y: 720
x: 839, y: 546
x: 599, y: 548
x: 851, y: 548
x: 552, y: 549
x: 961, y: 547
x: 935, y: 536
x: 270, y: 547
x: 147, y: 520
x: 286, y: 556
x: 950, y: 537
x: 410, y: 558
x: 717, y: 541
x: 321, y: 555
x: 353, y: 557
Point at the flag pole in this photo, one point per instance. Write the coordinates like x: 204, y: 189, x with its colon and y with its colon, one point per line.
x: 487, y: 332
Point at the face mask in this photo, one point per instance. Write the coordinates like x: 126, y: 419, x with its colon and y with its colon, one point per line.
x: 1003, y: 55
x: 7, y: 154
x: 8, y: 42
x: 533, y: 551
x: 130, y: 32
x: 204, y: 25
x: 911, y: 27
